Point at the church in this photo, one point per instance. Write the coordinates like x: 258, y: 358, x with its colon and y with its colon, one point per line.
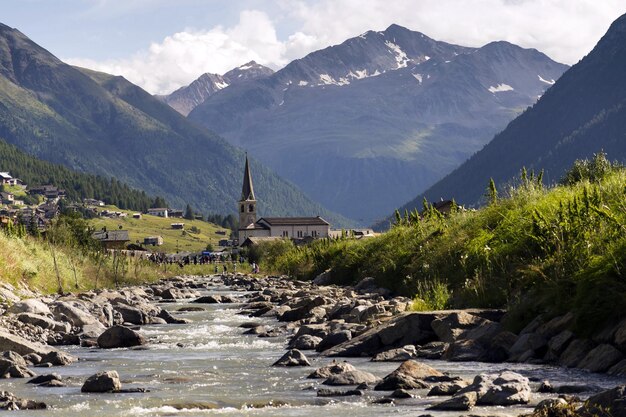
x: 273, y: 227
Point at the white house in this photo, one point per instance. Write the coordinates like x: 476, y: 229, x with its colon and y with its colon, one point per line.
x: 285, y: 227
x: 161, y: 212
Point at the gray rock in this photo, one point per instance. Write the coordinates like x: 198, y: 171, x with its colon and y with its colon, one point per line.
x: 165, y: 315
x: 601, y: 358
x: 325, y: 392
x: 619, y: 369
x: 32, y: 306
x: 464, y: 350
x: 305, y: 342
x: 396, y: 355
x: 324, y: 278
x: 607, y: 403
x: 410, y: 375
x: 178, y: 294
x: 132, y: 315
x: 108, y: 381
x: 334, y: 368
x: 32, y: 358
x: 45, y: 378
x: 208, y: 299
x: 9, y: 401
x: 619, y: 337
x: 447, y: 388
x: 527, y: 342
x: 461, y: 402
x: 560, y: 342
x: 334, y: 339
x: 20, y: 345
x: 354, y: 377
x: 293, y: 358
x: 75, y: 311
x: 44, y: 322
x: 551, y: 404
x: 58, y: 358
x: 506, y: 388
x: 401, y: 393
x: 13, y: 357
x: 120, y: 336
x: 449, y: 327
x: 556, y: 325
x: 432, y: 350
x: 575, y: 352
x: 405, y: 329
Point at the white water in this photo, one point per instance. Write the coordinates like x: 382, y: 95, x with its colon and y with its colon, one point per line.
x: 219, y: 366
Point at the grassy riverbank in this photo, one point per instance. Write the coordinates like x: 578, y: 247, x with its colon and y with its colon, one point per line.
x: 534, y: 251
x: 29, y: 261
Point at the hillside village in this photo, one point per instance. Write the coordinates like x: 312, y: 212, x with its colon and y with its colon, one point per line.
x: 162, y: 230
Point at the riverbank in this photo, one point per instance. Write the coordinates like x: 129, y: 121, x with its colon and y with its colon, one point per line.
x: 264, y: 316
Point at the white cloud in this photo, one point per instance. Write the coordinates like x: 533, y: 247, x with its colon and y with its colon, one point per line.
x: 564, y: 29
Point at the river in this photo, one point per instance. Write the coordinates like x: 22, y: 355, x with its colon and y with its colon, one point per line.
x: 209, y: 368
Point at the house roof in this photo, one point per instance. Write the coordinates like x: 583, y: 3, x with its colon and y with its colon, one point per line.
x: 294, y: 221
x: 247, y: 191
x: 5, y: 175
x: 158, y: 209
x: 112, y: 236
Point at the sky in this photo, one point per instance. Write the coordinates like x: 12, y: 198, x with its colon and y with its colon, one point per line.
x: 162, y: 45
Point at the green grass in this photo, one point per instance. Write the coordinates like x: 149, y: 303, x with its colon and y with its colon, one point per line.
x: 537, y: 251
x: 148, y: 225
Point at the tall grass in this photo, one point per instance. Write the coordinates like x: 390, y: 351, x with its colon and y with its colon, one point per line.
x: 533, y: 250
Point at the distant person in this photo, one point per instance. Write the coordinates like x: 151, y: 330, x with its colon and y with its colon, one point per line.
x: 216, y: 268
x: 225, y: 268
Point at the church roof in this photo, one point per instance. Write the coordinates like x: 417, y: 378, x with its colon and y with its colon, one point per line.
x: 247, y: 191
x: 294, y: 221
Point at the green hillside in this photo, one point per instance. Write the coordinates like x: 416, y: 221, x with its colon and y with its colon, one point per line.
x: 541, y: 251
x: 77, y: 185
x: 105, y: 125
x: 194, y: 238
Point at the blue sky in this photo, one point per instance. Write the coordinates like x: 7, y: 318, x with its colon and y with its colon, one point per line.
x: 163, y: 44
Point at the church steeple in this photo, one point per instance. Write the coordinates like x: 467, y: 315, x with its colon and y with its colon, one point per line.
x: 247, y: 191
x: 247, y: 204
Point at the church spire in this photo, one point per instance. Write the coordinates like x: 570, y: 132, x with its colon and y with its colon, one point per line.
x: 247, y: 191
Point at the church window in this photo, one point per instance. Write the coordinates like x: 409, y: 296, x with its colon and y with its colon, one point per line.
x: 251, y: 208
x: 242, y: 208
x: 285, y: 233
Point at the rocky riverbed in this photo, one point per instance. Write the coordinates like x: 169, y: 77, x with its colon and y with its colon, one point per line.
x: 234, y: 345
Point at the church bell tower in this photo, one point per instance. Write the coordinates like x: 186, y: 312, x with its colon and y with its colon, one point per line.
x: 247, y: 203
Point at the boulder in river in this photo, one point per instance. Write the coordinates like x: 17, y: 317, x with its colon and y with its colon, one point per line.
x: 334, y: 339
x: 396, y: 355
x: 601, y: 358
x: 461, y: 402
x: 57, y: 358
x: 410, y: 375
x: 293, y: 357
x: 9, y: 401
x: 333, y: 368
x: 108, y: 381
x: 606, y: 403
x: 354, y: 377
x: 30, y: 305
x: 506, y: 388
x: 305, y: 342
x: 120, y: 336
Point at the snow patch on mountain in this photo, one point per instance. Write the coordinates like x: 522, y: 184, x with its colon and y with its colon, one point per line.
x: 328, y: 80
x: 545, y: 81
x: 220, y: 85
x: 401, y: 57
x: 418, y: 77
x: 500, y: 88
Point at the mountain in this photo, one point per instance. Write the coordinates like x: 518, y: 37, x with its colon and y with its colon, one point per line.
x: 185, y: 99
x: 103, y: 124
x: 365, y: 125
x: 583, y: 113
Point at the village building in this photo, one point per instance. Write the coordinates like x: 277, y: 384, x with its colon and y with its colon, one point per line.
x: 7, y: 198
x: 160, y: 212
x: 7, y: 179
x: 178, y: 226
x: 153, y: 240
x: 93, y: 202
x: 281, y: 227
x: 115, y: 239
x: 175, y: 213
